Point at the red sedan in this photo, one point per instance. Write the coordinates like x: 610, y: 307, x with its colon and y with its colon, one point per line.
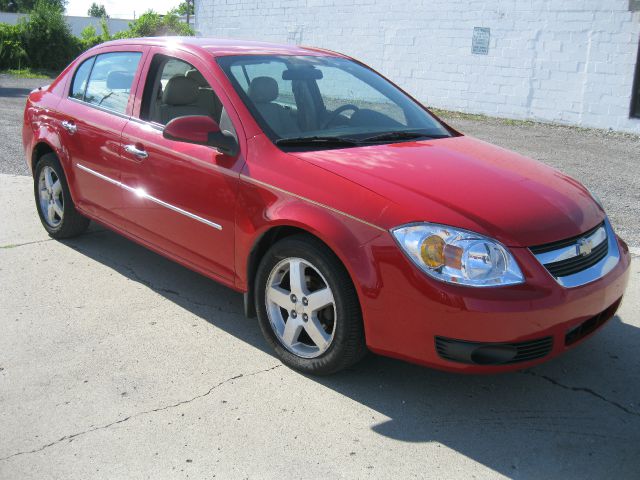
x: 349, y: 216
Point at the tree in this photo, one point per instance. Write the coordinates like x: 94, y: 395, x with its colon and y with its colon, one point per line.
x: 47, y: 37
x: 97, y: 11
x: 186, y: 8
x: 25, y: 6
x: 21, y: 6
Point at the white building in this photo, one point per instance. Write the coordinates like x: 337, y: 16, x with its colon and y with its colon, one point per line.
x: 565, y: 61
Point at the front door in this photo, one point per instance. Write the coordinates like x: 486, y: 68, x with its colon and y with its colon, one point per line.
x: 181, y: 197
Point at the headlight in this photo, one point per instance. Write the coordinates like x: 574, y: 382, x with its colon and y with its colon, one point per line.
x: 458, y: 256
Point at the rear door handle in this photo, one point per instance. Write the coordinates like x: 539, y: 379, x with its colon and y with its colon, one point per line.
x: 69, y: 126
x: 138, y: 152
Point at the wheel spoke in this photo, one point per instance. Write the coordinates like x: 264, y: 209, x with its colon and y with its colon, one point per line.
x: 48, y: 179
x: 51, y: 214
x: 44, y: 195
x: 317, y: 333
x: 280, y: 297
x: 57, y: 207
x: 297, y: 281
x: 57, y: 188
x: 320, y: 299
x: 291, y: 332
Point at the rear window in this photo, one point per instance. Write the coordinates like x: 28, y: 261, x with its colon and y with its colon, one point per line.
x: 80, y: 79
x: 110, y: 80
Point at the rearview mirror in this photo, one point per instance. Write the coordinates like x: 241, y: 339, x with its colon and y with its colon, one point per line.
x: 302, y: 73
x: 201, y: 130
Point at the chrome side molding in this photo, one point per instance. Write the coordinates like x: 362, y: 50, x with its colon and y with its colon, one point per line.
x: 139, y: 192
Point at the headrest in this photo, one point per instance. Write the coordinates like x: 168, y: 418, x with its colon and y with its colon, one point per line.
x: 197, y: 77
x: 263, y: 90
x: 180, y: 91
x: 119, y: 80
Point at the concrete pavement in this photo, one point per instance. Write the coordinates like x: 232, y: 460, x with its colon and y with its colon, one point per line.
x: 116, y: 363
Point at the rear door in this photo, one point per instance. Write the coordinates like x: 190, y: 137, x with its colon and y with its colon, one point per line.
x: 186, y: 193
x: 94, y: 112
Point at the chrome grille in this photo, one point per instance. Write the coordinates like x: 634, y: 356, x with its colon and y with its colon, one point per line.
x: 553, y: 246
x: 581, y: 259
x: 578, y: 263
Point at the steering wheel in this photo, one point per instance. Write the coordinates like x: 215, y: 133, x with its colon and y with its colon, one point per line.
x: 337, y: 112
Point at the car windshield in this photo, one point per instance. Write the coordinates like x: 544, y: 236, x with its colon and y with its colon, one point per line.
x: 318, y: 102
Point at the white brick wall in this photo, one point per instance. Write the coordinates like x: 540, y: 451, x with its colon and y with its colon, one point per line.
x: 566, y: 61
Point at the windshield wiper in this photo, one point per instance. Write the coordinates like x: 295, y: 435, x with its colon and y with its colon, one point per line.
x: 316, y: 141
x: 400, y: 135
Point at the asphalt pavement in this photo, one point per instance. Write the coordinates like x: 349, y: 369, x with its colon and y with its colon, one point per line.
x: 117, y: 363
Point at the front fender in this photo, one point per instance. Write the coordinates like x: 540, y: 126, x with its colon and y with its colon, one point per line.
x: 261, y: 208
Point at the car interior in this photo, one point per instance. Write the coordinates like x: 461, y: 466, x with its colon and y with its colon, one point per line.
x: 263, y: 91
x: 292, y: 100
x: 178, y: 89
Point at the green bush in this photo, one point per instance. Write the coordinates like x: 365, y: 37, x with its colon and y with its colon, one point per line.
x: 90, y: 38
x: 47, y: 38
x: 12, y: 52
x: 151, y: 24
x: 44, y: 41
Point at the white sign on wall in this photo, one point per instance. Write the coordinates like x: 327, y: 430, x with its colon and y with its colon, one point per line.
x: 480, y: 41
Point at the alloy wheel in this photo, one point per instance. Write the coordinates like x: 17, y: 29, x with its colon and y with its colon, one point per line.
x: 301, y: 307
x: 51, y: 197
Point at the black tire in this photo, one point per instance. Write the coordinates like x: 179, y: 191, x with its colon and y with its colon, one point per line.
x: 72, y: 222
x: 348, y: 344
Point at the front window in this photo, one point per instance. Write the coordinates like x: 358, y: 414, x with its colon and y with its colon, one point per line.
x: 175, y: 88
x: 326, y: 102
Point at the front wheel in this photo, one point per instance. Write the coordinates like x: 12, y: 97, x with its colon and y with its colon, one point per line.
x: 55, y: 207
x: 308, y: 308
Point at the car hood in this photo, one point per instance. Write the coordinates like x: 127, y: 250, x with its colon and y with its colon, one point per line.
x: 467, y: 183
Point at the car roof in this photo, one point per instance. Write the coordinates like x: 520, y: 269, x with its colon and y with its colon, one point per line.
x: 222, y: 47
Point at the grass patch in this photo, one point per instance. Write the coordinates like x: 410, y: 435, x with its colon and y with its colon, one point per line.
x: 480, y: 117
x: 458, y: 115
x: 476, y: 117
x: 29, y: 73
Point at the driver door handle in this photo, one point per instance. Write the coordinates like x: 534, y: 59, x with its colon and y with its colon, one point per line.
x: 138, y: 152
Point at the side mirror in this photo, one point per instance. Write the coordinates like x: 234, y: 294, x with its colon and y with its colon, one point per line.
x: 201, y: 130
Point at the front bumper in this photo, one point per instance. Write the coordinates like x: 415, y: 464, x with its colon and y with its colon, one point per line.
x: 405, y: 311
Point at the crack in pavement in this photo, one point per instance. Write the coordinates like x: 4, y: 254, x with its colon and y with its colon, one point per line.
x: 581, y: 389
x: 16, y: 245
x: 145, y: 412
x: 44, y: 240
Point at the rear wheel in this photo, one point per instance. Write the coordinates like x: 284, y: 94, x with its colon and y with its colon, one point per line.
x: 56, y: 209
x: 307, y: 307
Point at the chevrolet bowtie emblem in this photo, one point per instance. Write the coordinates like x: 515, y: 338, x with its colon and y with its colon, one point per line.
x: 583, y: 247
